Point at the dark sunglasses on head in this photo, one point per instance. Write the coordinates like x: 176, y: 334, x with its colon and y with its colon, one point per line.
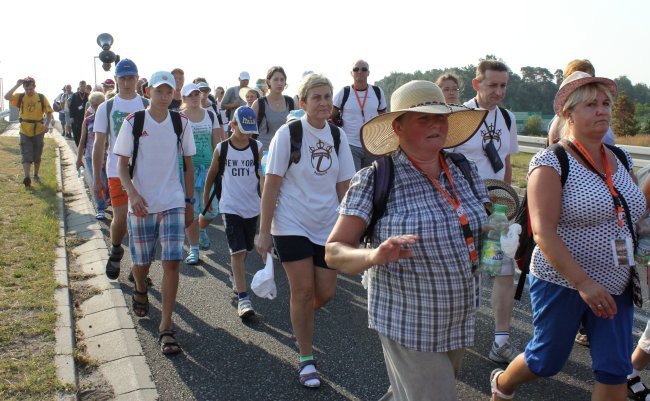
x: 205, y: 90
x: 356, y: 69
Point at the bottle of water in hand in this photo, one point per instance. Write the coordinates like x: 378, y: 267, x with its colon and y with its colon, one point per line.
x: 491, y: 252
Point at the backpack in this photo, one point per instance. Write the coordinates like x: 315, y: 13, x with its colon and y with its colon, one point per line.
x: 41, y: 99
x: 216, y: 112
x: 346, y: 94
x: 295, y: 134
x: 504, y: 113
x: 383, y: 171
x: 138, y: 125
x: 56, y: 106
x: 109, y: 108
x: 261, y: 106
x: 527, y: 243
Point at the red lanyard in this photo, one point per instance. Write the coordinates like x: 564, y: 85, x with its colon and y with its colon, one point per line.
x: 455, y: 203
x: 582, y: 152
x: 361, y: 105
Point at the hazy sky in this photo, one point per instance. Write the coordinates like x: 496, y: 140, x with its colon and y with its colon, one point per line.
x: 217, y: 39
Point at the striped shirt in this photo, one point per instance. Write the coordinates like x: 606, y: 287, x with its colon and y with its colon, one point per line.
x: 425, y: 302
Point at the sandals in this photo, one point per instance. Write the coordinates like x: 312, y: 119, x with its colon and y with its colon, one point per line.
x: 146, y: 280
x: 636, y: 390
x: 305, y: 377
x: 140, y: 309
x: 168, y: 347
x: 192, y: 257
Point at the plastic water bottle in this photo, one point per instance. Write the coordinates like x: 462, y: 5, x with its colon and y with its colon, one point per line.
x: 642, y: 255
x: 265, y: 155
x: 491, y: 252
x: 80, y: 173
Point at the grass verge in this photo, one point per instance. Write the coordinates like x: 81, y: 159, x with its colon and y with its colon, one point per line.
x: 29, y: 226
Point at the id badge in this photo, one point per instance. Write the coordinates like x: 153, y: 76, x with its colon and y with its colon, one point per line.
x: 81, y: 107
x: 622, y: 251
x: 493, y: 156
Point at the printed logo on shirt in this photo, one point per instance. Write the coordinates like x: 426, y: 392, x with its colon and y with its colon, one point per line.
x: 145, y: 133
x: 241, y: 168
x: 321, y: 157
x: 118, y: 118
x: 491, y: 135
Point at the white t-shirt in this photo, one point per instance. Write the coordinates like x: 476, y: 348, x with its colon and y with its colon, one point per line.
x: 352, y: 117
x: 239, y: 188
x: 203, y: 139
x: 505, y: 141
x: 307, y: 200
x: 157, y: 174
x: 121, y: 109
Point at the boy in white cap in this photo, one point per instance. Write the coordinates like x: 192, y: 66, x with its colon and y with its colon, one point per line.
x: 231, y: 99
x: 235, y: 164
x: 160, y: 206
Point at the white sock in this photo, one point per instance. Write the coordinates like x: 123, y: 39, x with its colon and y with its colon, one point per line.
x: 634, y: 374
x: 501, y: 337
x: 309, y: 369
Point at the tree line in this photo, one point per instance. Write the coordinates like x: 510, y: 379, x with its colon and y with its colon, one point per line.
x: 534, y: 89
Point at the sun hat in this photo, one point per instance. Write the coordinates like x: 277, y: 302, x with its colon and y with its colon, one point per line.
x: 203, y: 85
x: 246, y: 120
x: 378, y: 137
x: 244, y: 91
x: 126, y: 68
x: 244, y: 75
x: 573, y: 82
x: 503, y: 194
x: 162, y: 77
x: 189, y: 88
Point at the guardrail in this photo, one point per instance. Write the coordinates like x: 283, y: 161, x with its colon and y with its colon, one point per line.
x: 532, y: 144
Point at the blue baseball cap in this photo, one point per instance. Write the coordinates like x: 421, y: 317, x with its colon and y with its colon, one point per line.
x: 126, y: 68
x: 162, y: 77
x: 246, y: 120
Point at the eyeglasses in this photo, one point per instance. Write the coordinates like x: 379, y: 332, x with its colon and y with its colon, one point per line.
x: 363, y: 69
x: 451, y: 90
x: 205, y: 90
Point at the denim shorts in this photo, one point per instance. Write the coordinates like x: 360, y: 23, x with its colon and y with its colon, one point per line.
x: 168, y: 226
x: 199, y: 206
x: 558, y: 312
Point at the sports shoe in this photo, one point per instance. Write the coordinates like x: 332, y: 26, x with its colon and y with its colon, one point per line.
x: 204, y: 240
x: 503, y: 354
x: 37, y: 179
x: 100, y: 215
x: 192, y: 257
x: 245, y: 308
x: 636, y: 390
x: 495, y: 390
x: 113, y: 263
x: 27, y: 182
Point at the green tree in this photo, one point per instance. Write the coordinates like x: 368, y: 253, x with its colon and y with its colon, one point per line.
x: 533, y: 125
x: 623, y: 121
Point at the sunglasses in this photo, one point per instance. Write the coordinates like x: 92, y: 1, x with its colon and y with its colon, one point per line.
x: 363, y: 69
x: 205, y: 90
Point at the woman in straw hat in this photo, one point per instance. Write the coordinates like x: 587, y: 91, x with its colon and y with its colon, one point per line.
x: 422, y: 291
x: 582, y: 268
x: 299, y: 203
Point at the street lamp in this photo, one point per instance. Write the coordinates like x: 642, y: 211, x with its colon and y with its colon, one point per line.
x: 95, y: 67
x: 107, y: 57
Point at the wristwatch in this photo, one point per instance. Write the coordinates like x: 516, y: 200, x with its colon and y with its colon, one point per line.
x: 190, y: 201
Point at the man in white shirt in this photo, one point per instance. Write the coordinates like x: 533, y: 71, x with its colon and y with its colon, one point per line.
x: 124, y: 103
x: 356, y: 104
x: 490, y: 148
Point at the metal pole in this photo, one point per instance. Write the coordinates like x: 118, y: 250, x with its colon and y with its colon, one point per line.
x: 95, y: 69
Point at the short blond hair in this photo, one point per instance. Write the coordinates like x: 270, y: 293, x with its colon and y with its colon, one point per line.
x: 311, y: 81
x: 584, y: 94
x: 583, y: 65
x: 96, y: 97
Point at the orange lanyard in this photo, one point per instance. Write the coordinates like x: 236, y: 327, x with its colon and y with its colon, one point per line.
x: 455, y: 203
x: 361, y: 105
x: 582, y: 152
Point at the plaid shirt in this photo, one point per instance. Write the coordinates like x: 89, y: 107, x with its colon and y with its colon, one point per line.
x: 425, y: 302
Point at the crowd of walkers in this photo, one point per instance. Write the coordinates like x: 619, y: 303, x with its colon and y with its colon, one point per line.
x: 299, y: 178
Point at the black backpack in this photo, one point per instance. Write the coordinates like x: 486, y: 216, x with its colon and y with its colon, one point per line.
x: 346, y: 94
x: 261, y: 106
x: 527, y: 244
x: 218, y: 180
x: 504, y: 113
x: 383, y: 170
x: 295, y: 134
x: 138, y: 125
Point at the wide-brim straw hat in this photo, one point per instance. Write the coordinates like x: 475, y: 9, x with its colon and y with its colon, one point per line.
x: 378, y: 137
x: 576, y: 80
x: 244, y: 91
x: 503, y: 194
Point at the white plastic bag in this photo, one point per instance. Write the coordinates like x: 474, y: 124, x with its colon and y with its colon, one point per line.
x: 263, y: 284
x: 510, y: 241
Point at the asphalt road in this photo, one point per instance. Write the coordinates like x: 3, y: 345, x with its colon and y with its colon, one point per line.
x: 226, y: 359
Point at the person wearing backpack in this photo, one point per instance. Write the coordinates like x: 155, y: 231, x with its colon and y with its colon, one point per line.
x: 205, y: 128
x: 308, y: 171
x: 236, y: 176
x: 160, y: 203
x: 582, y: 268
x: 272, y: 110
x: 32, y: 107
x: 356, y: 104
x: 77, y: 110
x: 490, y: 148
x: 422, y: 257
x: 108, y: 121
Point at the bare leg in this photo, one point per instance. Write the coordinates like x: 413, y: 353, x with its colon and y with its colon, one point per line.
x: 118, y: 225
x: 168, y: 292
x: 238, y: 270
x: 301, y: 282
x: 640, y: 359
x: 139, y: 275
x: 26, y: 168
x: 516, y: 374
x: 503, y: 301
x: 324, y: 286
x: 609, y: 392
x: 192, y: 233
x: 37, y: 167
